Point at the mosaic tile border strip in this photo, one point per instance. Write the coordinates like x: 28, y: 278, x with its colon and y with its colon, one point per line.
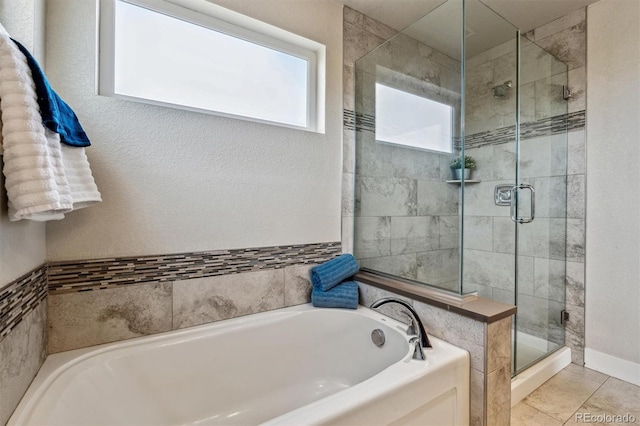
x: 543, y: 127
x: 100, y: 274
x: 21, y: 297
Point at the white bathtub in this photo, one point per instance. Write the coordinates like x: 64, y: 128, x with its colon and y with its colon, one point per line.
x: 293, y: 366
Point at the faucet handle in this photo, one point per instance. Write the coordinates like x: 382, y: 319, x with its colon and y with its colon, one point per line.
x: 418, y: 353
x: 412, y: 325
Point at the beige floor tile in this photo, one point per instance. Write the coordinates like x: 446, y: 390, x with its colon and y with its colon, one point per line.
x: 615, y: 398
x: 525, y: 415
x: 566, y: 392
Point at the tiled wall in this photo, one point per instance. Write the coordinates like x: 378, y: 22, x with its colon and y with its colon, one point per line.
x: 23, y: 336
x: 99, y: 301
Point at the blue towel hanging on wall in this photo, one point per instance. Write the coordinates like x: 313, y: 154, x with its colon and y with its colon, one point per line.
x: 57, y: 116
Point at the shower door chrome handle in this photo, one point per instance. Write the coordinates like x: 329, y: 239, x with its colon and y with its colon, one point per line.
x: 513, y: 206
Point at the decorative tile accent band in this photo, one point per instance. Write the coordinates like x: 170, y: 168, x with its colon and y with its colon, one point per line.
x: 21, y: 297
x: 543, y: 127
x: 99, y: 274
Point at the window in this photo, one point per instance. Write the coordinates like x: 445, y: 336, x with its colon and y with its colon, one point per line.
x: 407, y: 119
x: 155, y: 51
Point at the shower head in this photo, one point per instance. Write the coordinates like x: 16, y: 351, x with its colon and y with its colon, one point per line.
x: 501, y: 90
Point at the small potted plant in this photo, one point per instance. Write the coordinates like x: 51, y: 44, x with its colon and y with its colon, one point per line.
x: 457, y: 166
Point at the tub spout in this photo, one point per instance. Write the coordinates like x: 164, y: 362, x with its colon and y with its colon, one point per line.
x: 421, y: 334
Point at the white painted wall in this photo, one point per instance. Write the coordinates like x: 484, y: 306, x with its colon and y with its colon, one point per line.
x: 613, y: 186
x: 176, y: 181
x: 22, y: 244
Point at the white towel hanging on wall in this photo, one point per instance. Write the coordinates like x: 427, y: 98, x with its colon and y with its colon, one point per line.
x: 44, y: 179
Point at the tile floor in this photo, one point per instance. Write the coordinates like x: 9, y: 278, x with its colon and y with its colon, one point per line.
x: 574, y: 392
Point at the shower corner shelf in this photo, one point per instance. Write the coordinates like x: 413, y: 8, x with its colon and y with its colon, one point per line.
x: 457, y: 181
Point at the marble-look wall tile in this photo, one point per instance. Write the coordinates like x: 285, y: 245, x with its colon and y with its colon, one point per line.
x: 369, y: 294
x: 449, y: 241
x: 478, y: 233
x: 348, y: 88
x: 504, y: 235
x: 414, y: 234
x: 535, y: 63
x: 533, y: 314
x: 455, y: 329
x: 379, y: 196
x: 526, y: 275
x: 374, y: 159
x: 484, y: 162
x: 543, y: 156
x: 22, y: 352
x: 479, y: 200
x: 377, y: 28
x: 372, y: 236
x: 78, y: 320
x: 489, y: 268
x: 210, y: 299
x: 297, y: 285
x: 558, y: 236
x: 577, y: 82
x: 574, y: 333
x: 551, y: 196
x: 568, y: 45
x: 575, y: 197
x: 575, y: 240
x: 347, y: 234
x: 549, y: 279
x: 504, y: 165
x: 533, y: 239
x: 498, y: 344
x: 415, y: 164
x: 576, y: 152
x: 499, y: 397
x: 437, y: 198
x: 348, y: 151
x: 402, y: 265
x: 438, y: 266
x: 477, y: 398
x: 348, y: 196
x: 575, y: 284
x: 357, y: 42
x: 480, y: 289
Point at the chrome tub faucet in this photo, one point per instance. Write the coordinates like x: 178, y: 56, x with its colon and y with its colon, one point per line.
x: 415, y: 326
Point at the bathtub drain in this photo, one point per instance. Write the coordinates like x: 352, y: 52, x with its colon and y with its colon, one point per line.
x: 377, y: 336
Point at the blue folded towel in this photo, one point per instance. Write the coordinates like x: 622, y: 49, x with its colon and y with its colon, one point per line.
x: 333, y: 272
x: 57, y: 116
x: 344, y: 295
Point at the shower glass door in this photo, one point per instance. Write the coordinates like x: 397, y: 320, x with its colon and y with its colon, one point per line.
x: 539, y: 205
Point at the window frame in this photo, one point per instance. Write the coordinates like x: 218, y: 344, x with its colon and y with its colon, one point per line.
x: 231, y: 23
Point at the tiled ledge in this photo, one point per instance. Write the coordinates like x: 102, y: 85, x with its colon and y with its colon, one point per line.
x: 472, y: 306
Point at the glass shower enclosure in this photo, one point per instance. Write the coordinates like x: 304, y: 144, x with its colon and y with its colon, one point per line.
x: 462, y: 83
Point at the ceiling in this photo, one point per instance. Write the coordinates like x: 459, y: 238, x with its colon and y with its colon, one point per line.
x: 524, y: 14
